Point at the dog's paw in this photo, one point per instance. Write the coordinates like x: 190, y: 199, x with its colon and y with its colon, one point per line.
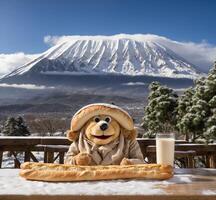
x: 126, y: 161
x: 83, y: 159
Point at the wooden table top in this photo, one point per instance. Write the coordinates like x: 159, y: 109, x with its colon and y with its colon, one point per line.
x: 190, y: 184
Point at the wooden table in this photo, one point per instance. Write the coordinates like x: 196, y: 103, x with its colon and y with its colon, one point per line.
x: 189, y: 184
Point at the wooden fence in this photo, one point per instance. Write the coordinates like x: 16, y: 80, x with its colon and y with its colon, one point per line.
x: 54, y: 149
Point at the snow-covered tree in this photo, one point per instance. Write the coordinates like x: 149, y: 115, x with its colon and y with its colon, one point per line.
x: 22, y: 128
x: 184, y: 103
x: 210, y: 122
x: 198, y: 121
x: 9, y: 127
x: 15, y: 127
x: 160, y: 113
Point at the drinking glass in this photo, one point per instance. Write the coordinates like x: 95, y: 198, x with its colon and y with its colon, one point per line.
x: 165, y: 146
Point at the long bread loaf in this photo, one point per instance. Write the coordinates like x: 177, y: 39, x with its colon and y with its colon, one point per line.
x: 63, y: 172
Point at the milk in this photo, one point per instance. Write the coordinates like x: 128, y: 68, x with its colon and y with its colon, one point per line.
x: 165, y: 150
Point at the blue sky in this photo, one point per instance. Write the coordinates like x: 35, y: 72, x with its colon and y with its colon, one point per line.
x: 24, y: 23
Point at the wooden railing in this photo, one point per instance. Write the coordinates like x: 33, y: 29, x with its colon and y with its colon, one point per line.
x: 53, y: 149
x: 202, y: 153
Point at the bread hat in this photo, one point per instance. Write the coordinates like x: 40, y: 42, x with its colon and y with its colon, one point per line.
x: 87, y: 112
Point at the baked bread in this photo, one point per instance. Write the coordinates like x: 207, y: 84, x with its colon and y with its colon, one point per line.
x: 63, y: 172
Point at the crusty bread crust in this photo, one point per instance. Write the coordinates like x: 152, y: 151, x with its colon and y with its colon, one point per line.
x: 87, y: 112
x: 63, y: 172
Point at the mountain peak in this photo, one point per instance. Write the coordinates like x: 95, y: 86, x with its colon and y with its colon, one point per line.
x: 119, y: 54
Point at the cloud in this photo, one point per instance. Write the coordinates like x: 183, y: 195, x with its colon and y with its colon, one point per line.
x: 25, y: 86
x: 201, y: 54
x: 134, y: 83
x: 9, y: 62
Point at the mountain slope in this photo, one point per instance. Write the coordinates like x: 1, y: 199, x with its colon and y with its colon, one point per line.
x: 118, y: 54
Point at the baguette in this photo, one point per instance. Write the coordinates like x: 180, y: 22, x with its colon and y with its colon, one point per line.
x: 62, y: 172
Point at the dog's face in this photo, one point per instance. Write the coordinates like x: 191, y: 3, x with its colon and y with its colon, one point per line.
x: 102, y: 129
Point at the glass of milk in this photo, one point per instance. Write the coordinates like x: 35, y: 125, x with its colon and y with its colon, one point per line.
x: 165, y: 145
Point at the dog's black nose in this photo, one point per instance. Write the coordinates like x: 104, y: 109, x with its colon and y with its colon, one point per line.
x: 103, y: 126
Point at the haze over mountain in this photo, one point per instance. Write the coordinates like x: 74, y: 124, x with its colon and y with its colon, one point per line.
x: 118, y: 54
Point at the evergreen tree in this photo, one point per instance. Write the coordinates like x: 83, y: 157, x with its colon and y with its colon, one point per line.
x: 210, y: 122
x: 199, y: 120
x: 22, y: 128
x: 184, y: 103
x: 9, y: 127
x: 15, y: 127
x: 160, y: 113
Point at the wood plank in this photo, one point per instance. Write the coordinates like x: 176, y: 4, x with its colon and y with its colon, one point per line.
x: 208, y: 157
x: 190, y: 161
x: 55, y: 141
x: 199, y: 148
x: 55, y: 157
x: 57, y: 148
x: 1, y: 158
x: 61, y: 157
x: 17, y: 148
x: 50, y: 157
x: 27, y: 156
x: 213, y: 160
x: 22, y: 141
x: 16, y: 160
x: 153, y: 141
x: 45, y: 156
x: 33, y: 157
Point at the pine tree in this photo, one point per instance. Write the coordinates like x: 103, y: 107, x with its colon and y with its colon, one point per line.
x: 15, y: 127
x: 9, y: 127
x: 160, y: 113
x: 184, y: 103
x: 199, y: 120
x: 22, y: 128
x: 210, y: 122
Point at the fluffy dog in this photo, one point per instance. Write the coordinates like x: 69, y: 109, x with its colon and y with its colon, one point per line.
x: 103, y: 139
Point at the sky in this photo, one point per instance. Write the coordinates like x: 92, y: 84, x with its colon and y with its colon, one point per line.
x: 25, y: 23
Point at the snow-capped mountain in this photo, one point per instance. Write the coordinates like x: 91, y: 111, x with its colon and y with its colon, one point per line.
x: 118, y: 54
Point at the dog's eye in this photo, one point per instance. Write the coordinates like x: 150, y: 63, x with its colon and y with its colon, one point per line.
x: 96, y: 119
x: 108, y: 119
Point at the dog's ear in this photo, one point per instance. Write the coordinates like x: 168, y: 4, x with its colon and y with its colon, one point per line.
x: 72, y: 135
x: 130, y: 135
